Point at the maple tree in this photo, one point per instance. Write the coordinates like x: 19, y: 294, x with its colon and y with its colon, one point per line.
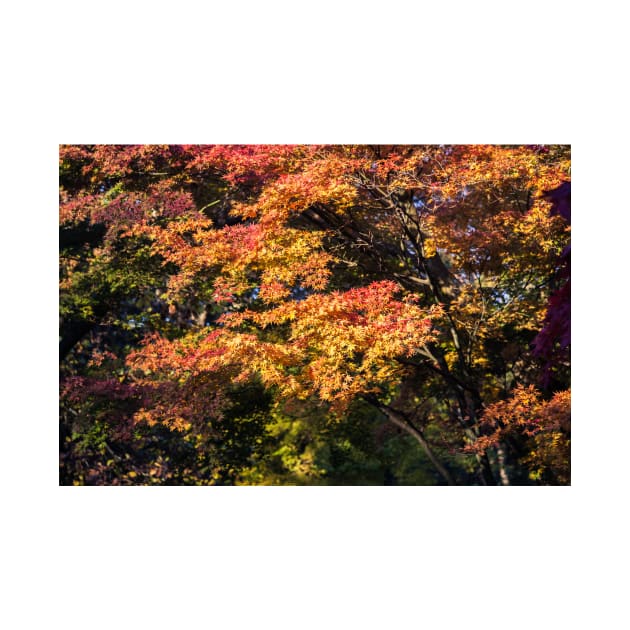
x: 314, y: 314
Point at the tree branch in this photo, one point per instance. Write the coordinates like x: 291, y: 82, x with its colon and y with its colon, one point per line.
x: 400, y: 420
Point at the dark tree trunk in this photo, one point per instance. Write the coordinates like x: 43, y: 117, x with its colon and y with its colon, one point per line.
x: 80, y: 235
x: 71, y: 333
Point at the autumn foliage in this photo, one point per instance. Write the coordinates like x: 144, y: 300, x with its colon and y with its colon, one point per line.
x: 296, y: 314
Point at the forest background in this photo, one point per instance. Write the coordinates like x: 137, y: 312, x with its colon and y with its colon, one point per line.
x: 315, y: 314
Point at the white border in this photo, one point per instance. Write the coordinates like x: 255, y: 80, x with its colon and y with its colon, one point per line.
x: 312, y: 557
